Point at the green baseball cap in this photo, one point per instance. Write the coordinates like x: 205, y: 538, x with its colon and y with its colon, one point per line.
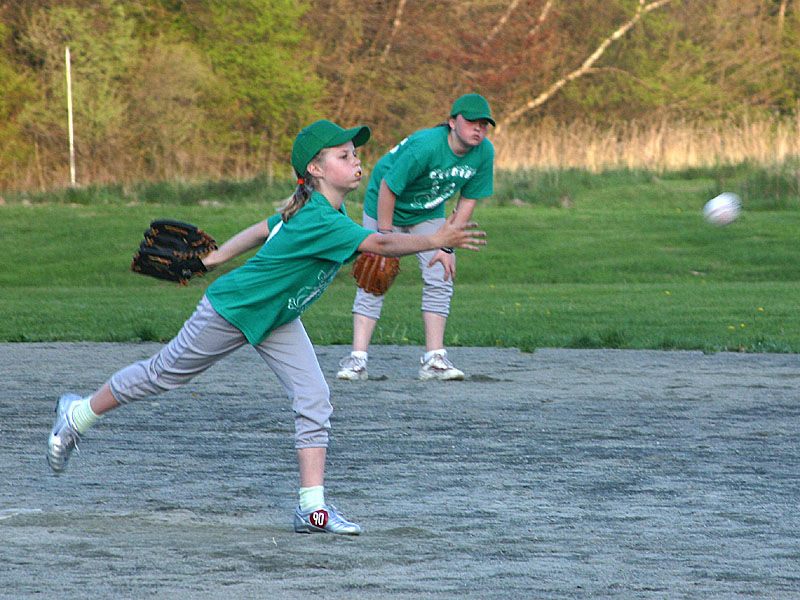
x: 323, y: 134
x: 472, y: 107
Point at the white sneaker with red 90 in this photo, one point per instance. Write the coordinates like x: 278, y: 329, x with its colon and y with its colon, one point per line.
x: 324, y: 519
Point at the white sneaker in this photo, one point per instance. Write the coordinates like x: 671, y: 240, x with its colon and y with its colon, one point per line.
x: 64, y: 437
x: 352, y: 368
x: 439, y: 367
x: 325, y: 519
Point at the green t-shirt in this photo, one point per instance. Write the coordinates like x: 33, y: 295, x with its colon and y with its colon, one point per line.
x: 290, y: 271
x: 424, y: 172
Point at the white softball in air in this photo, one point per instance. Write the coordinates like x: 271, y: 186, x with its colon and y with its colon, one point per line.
x: 723, y: 209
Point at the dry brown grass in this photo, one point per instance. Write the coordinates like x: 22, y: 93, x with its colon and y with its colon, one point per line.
x: 656, y: 146
x: 659, y: 146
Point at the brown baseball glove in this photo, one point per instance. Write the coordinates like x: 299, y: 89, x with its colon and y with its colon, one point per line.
x: 375, y: 273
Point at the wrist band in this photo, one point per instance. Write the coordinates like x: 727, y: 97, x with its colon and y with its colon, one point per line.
x: 384, y: 231
x: 447, y: 250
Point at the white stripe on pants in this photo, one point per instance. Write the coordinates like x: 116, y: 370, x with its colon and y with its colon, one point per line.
x: 436, y: 292
x: 206, y: 338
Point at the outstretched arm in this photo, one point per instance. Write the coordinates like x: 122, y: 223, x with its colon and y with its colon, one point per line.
x: 243, y: 241
x: 449, y: 234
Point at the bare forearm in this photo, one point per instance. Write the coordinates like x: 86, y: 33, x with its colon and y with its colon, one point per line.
x: 464, y: 210
x: 402, y: 244
x: 243, y: 241
x: 386, y: 203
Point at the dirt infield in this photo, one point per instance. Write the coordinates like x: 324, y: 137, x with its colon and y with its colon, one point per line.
x: 557, y: 474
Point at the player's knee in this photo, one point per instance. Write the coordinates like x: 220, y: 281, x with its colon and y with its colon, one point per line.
x: 163, y: 378
x: 434, y: 279
x: 318, y: 439
x: 368, y: 305
x: 312, y: 426
x: 436, y: 299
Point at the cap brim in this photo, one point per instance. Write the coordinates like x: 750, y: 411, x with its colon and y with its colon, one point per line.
x: 359, y: 136
x: 476, y: 117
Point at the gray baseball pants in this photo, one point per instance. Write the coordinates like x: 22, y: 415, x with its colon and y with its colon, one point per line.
x: 205, y: 338
x: 436, y: 292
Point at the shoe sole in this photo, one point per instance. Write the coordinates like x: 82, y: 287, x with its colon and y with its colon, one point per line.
x: 56, y: 467
x: 356, y: 378
x: 308, y: 530
x: 426, y: 376
x: 57, y: 464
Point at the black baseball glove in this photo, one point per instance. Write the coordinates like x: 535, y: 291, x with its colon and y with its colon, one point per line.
x: 173, y: 250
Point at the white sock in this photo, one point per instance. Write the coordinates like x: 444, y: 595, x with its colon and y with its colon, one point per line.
x: 312, y: 497
x: 429, y: 355
x: 83, y: 417
x: 359, y: 354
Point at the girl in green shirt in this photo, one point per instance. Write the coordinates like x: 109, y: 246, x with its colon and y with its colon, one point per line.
x: 407, y: 193
x: 260, y: 304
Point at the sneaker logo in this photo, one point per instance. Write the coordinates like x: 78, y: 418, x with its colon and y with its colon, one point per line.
x: 319, y: 518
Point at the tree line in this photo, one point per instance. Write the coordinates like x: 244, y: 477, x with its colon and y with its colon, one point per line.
x: 188, y: 89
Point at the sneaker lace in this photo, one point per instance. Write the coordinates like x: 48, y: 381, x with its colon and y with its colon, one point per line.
x: 72, y: 434
x: 439, y: 361
x: 353, y: 363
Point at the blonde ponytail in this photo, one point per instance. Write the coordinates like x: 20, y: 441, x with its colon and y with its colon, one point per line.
x: 297, y: 200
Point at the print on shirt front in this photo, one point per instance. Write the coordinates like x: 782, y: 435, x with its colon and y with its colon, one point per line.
x: 307, y: 294
x: 302, y: 299
x: 291, y: 270
x: 424, y: 172
x: 444, y: 183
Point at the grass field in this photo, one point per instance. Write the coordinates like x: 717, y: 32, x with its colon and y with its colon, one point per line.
x: 615, y: 260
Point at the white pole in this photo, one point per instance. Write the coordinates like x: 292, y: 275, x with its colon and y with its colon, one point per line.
x: 69, y: 111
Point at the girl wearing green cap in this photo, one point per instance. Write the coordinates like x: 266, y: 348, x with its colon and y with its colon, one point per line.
x: 407, y: 193
x: 260, y: 303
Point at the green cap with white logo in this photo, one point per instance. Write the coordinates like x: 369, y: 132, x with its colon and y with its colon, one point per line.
x: 323, y: 134
x: 472, y: 107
